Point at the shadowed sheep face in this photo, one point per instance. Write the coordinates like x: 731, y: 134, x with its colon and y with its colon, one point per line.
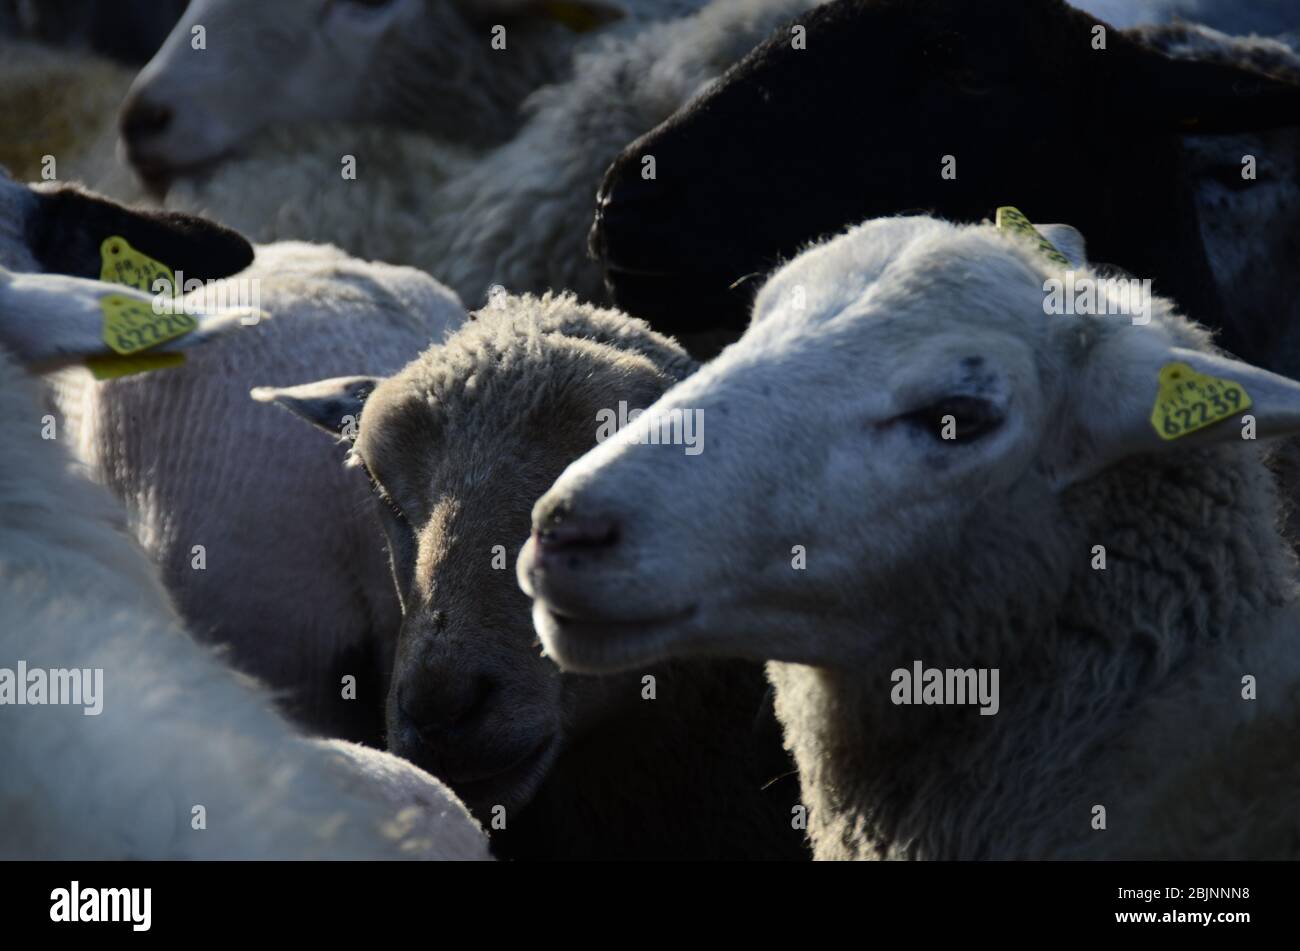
x: 427, y: 64
x: 458, y: 456
x: 903, y: 410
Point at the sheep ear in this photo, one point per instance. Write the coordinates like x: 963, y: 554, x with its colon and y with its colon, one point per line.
x: 1067, y: 240
x: 49, y: 321
x: 333, y: 405
x: 1144, y: 397
x: 67, y: 227
x: 1203, y: 96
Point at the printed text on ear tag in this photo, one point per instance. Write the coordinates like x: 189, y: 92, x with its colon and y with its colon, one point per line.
x: 123, y: 264
x: 1187, y: 401
x: 131, y: 325
x: 1010, y: 220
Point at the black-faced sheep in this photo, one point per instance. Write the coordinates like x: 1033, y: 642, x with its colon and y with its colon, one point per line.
x: 964, y: 107
x: 1071, y: 510
x: 460, y: 444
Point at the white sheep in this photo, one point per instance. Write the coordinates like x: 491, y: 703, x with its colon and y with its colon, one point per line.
x: 166, y: 754
x: 458, y: 69
x: 910, y: 465
x: 264, y: 540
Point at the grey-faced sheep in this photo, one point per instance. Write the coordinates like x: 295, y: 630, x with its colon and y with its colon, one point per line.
x: 264, y: 542
x: 459, y: 445
x: 166, y: 754
x: 977, y: 485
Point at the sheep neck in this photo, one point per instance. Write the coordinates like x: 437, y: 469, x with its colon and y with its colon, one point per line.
x: 1102, y: 670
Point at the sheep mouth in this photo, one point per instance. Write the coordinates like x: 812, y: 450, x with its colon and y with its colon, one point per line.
x: 607, y: 645
x: 158, y: 175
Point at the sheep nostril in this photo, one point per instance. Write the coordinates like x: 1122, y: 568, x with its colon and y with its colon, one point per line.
x: 571, y: 535
x: 143, y: 118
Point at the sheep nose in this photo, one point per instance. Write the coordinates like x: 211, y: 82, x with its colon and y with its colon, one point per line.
x: 562, y: 534
x: 142, y: 118
x: 616, y: 236
x: 446, y: 706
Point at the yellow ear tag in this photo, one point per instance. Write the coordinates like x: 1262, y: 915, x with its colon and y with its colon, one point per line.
x: 1187, y: 401
x: 579, y: 17
x: 1010, y: 220
x: 131, y: 325
x: 110, y: 366
x: 123, y: 264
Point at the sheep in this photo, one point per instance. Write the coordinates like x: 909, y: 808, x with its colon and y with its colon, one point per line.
x: 458, y: 69
x: 262, y: 539
x: 459, y: 444
x: 954, y: 127
x: 173, y: 756
x: 514, y: 216
x: 972, y: 485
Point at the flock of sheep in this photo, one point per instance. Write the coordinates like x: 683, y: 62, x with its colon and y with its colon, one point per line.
x: 465, y: 621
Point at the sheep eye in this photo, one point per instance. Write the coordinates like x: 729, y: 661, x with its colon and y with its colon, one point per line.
x: 380, y: 491
x: 956, y: 419
x: 387, y: 500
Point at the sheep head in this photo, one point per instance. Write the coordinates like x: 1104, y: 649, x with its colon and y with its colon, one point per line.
x: 459, y: 445
x: 233, y: 67
x: 900, y: 446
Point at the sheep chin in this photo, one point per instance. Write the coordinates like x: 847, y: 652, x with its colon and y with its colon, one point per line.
x: 609, y: 646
